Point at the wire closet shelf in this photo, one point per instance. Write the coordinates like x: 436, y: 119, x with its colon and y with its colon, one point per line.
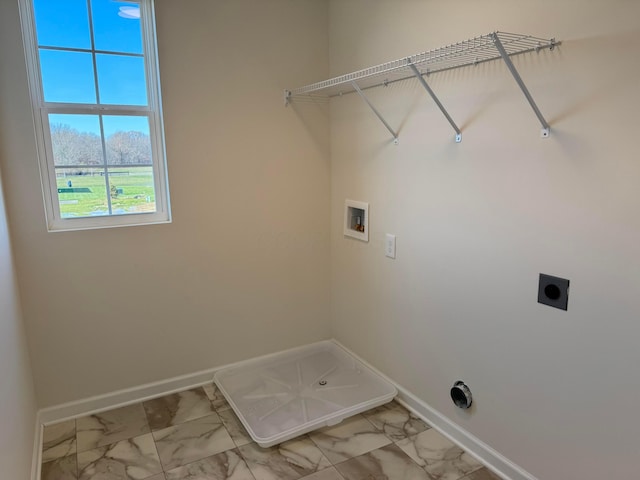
x: 468, y: 52
x: 493, y: 46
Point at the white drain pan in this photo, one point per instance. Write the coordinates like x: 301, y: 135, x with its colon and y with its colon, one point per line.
x: 287, y: 394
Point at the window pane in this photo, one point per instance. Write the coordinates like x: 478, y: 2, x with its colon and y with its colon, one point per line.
x: 121, y: 80
x: 62, y: 24
x: 127, y: 140
x: 67, y: 76
x: 131, y: 190
x: 76, y: 139
x: 82, y: 192
x: 116, y: 26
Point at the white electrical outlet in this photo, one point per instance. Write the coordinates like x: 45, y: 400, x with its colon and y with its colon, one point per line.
x: 390, y: 246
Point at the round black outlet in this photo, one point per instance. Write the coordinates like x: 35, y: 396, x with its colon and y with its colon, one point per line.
x: 552, y: 291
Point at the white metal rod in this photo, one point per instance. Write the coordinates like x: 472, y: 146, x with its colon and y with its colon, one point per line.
x: 426, y: 86
x: 380, y: 117
x: 518, y: 80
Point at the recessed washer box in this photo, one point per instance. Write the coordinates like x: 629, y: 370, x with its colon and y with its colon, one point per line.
x: 553, y: 291
x: 356, y: 219
x: 282, y: 396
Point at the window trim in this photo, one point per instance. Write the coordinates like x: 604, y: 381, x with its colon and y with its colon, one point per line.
x: 42, y: 109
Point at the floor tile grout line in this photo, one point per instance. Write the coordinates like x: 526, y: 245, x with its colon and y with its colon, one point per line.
x: 146, y: 414
x: 78, y: 451
x: 77, y: 461
x: 155, y: 446
x: 381, y: 430
x: 201, y: 387
x: 75, y: 426
x: 75, y: 429
x: 481, y: 466
x: 43, y: 450
x: 368, y: 453
x: 339, y: 473
x: 246, y: 463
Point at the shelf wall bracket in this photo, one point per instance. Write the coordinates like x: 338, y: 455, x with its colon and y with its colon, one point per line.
x: 426, y: 86
x: 503, y: 53
x: 380, y: 117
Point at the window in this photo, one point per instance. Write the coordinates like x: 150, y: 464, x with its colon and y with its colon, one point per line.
x: 96, y: 98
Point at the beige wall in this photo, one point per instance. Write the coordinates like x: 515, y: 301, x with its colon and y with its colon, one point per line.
x: 244, y: 268
x: 556, y: 392
x: 17, y: 395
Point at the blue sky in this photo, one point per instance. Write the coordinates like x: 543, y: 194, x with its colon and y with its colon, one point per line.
x: 66, y: 24
x: 68, y: 76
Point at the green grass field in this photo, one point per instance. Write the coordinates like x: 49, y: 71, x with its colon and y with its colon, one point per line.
x: 131, y: 191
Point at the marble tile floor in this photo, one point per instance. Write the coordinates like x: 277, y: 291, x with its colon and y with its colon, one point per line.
x: 194, y: 435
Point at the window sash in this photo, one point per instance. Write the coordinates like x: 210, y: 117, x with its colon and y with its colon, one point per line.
x: 152, y: 111
x: 88, y: 50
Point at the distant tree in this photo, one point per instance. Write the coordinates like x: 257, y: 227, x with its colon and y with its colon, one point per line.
x: 72, y: 147
x: 132, y: 147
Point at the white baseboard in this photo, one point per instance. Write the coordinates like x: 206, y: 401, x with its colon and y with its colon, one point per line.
x: 36, y: 459
x: 121, y: 398
x: 465, y: 440
x: 468, y: 442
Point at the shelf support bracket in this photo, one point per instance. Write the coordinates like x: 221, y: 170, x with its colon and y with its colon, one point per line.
x: 505, y: 56
x: 380, y: 117
x: 426, y: 86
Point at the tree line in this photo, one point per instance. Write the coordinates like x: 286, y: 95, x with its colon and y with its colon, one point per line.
x: 73, y: 147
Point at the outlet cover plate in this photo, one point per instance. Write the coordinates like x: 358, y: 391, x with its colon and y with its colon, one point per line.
x: 390, y: 245
x: 553, y: 291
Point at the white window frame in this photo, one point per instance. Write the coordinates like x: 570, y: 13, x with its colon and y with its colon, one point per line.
x: 153, y: 111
